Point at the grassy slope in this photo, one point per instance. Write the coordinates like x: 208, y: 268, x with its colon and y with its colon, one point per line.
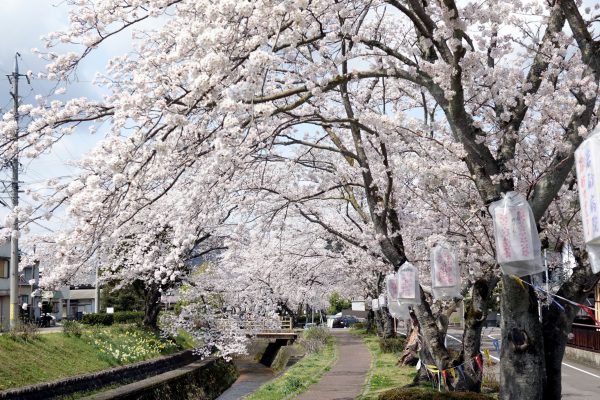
x: 298, y: 377
x: 54, y: 356
x: 384, y: 373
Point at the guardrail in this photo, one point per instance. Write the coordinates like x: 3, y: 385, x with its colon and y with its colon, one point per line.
x: 585, y: 337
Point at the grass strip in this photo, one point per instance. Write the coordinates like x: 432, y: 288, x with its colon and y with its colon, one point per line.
x: 384, y: 373
x: 299, y: 377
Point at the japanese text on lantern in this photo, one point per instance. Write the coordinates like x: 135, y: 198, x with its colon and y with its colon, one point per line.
x: 406, y: 284
x: 513, y: 233
x: 444, y: 268
x: 588, y: 172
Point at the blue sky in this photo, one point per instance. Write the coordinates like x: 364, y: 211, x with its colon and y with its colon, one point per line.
x: 22, y: 23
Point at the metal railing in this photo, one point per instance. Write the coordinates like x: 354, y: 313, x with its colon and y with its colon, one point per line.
x: 586, y: 337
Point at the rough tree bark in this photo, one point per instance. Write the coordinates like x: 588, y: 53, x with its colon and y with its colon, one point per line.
x: 388, y: 323
x: 476, y: 312
x: 522, y: 365
x: 557, y: 322
x: 151, y: 307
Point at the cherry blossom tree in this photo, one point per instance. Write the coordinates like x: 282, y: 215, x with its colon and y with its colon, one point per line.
x: 431, y: 108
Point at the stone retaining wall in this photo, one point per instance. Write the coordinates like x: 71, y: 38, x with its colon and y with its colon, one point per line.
x: 97, y: 380
x: 583, y: 356
x: 201, y: 380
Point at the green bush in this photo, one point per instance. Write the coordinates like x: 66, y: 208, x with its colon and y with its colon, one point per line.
x: 71, y: 328
x: 359, y: 326
x: 292, y: 385
x: 314, y: 339
x: 128, y: 317
x: 392, y: 345
x: 97, y: 319
x: 429, y: 394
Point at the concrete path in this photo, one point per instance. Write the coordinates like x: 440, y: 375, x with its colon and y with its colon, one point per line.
x: 345, y: 380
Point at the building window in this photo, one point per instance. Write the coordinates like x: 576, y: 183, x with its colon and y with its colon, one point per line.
x: 4, y: 269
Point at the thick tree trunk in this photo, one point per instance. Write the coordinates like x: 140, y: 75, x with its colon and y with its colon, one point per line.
x: 432, y: 338
x: 151, y: 307
x: 371, y: 322
x: 378, y: 323
x: 523, y: 367
x: 388, y: 323
x: 476, y: 312
x: 557, y: 324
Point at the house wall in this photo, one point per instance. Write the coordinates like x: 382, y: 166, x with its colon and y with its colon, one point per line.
x: 4, y: 313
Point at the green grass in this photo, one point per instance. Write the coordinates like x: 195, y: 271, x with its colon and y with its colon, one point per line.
x: 298, y: 377
x: 54, y: 356
x: 384, y: 373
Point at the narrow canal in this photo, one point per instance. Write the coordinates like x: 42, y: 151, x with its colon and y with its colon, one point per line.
x: 252, y: 376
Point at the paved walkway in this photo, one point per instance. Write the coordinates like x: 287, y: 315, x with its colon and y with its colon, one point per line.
x: 344, y: 381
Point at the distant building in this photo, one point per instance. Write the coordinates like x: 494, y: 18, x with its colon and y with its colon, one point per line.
x: 358, y: 305
x: 69, y: 302
x: 29, y: 294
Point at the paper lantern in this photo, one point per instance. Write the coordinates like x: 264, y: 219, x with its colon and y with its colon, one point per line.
x: 381, y: 300
x: 397, y: 310
x: 375, y: 304
x: 391, y: 285
x: 408, y: 284
x: 587, y: 163
x: 518, y: 247
x: 445, y: 272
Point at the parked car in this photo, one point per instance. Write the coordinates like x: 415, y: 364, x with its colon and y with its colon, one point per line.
x: 310, y: 325
x: 345, y: 321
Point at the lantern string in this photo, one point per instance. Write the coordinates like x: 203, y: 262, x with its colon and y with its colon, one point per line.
x: 588, y: 310
x: 438, y: 373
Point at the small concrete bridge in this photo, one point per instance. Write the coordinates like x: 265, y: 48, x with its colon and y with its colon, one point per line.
x: 277, y: 338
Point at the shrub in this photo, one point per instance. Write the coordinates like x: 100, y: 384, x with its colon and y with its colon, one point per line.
x: 71, y: 328
x: 391, y: 345
x: 24, y: 331
x: 429, y: 394
x: 128, y: 317
x: 359, y: 326
x: 291, y: 385
x: 97, y: 319
x: 314, y: 339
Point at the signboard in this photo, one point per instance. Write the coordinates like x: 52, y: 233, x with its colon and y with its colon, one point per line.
x: 110, y: 310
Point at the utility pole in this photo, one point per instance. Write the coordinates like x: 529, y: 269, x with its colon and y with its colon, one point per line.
x: 14, y: 237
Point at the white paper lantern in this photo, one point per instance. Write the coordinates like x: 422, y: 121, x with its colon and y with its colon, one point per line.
x: 382, y: 302
x: 587, y: 163
x: 391, y: 285
x: 518, y: 247
x: 445, y: 272
x: 375, y: 304
x: 408, y: 284
x: 398, y: 310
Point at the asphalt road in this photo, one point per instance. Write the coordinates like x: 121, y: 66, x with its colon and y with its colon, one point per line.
x: 578, y: 381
